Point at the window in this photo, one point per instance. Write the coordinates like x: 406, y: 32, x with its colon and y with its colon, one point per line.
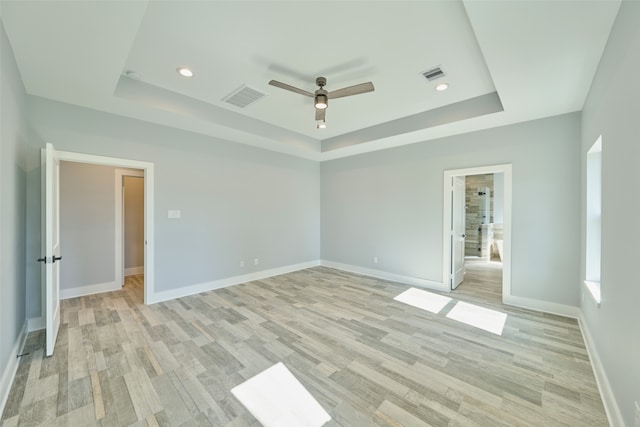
x: 594, y: 219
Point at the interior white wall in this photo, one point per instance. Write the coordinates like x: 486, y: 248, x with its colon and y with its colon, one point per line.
x: 389, y: 204
x: 613, y: 111
x: 13, y: 178
x: 87, y: 225
x: 237, y: 202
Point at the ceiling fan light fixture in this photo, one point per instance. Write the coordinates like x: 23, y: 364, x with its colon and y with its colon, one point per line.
x: 321, y: 95
x: 321, y: 102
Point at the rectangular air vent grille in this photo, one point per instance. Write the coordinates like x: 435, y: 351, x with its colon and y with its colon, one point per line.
x: 243, y: 96
x: 433, y: 74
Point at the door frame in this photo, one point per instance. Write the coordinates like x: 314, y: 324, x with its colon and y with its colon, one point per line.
x: 457, y: 198
x: 119, y: 203
x: 506, y: 169
x: 147, y: 168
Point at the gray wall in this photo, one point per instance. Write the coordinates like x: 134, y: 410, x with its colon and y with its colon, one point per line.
x: 13, y: 178
x: 237, y: 202
x: 389, y: 204
x: 240, y: 202
x: 133, y: 221
x: 612, y: 110
x: 87, y: 224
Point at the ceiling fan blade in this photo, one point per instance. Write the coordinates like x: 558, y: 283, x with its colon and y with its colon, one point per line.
x: 320, y: 114
x: 290, y: 88
x: 352, y: 90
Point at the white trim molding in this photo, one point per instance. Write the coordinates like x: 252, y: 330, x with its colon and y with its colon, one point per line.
x: 82, y: 291
x: 149, y: 224
x: 132, y: 271
x: 229, y: 281
x: 611, y: 407
x: 506, y: 169
x: 543, y: 306
x: 393, y: 277
x: 9, y: 373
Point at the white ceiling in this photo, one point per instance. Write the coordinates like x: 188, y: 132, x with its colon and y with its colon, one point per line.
x: 505, y: 61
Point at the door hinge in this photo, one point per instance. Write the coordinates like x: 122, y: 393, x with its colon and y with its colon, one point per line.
x: 49, y: 259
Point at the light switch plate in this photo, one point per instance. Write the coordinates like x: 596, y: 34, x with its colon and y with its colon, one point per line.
x: 173, y: 214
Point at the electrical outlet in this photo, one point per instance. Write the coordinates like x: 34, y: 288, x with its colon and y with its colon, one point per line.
x: 242, y: 263
x: 375, y: 259
x: 173, y: 214
x: 256, y: 261
x: 637, y: 417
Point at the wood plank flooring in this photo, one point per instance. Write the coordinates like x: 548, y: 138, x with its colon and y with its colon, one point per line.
x: 482, y: 282
x: 367, y: 359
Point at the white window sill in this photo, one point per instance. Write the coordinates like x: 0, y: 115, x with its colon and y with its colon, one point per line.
x: 594, y: 290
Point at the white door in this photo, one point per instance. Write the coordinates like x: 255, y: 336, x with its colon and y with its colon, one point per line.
x: 51, y: 245
x: 457, y: 231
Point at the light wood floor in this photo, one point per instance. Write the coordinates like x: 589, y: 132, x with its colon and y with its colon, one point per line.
x: 482, y: 283
x: 366, y: 358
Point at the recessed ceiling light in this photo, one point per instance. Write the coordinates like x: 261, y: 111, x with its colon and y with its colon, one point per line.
x: 442, y: 86
x: 185, y: 72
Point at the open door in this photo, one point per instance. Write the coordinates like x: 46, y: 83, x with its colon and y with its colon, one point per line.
x: 457, y: 230
x: 51, y: 167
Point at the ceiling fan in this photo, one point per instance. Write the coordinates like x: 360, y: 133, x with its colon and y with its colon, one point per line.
x: 322, y: 96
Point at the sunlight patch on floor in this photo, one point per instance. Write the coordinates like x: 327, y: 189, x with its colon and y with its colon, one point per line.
x: 277, y: 399
x: 484, y: 318
x: 422, y: 299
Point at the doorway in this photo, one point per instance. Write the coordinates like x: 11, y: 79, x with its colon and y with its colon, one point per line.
x: 130, y: 224
x: 51, y: 159
x: 133, y: 212
x: 477, y: 237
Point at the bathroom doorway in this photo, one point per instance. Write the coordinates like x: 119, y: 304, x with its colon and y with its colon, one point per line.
x: 477, y: 231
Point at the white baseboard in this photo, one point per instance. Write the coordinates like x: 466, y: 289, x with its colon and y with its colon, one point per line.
x: 379, y: 274
x: 35, y: 324
x: 82, y: 291
x: 544, y: 306
x: 229, y: 281
x: 608, y: 399
x: 528, y: 303
x: 9, y: 373
x: 132, y: 271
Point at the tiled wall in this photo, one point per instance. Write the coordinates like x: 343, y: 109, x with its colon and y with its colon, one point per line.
x: 478, y: 238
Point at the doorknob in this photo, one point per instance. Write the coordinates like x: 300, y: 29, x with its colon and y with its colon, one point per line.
x: 463, y: 235
x: 42, y: 260
x: 56, y: 258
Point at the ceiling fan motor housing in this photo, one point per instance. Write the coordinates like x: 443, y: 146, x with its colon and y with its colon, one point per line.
x: 321, y: 100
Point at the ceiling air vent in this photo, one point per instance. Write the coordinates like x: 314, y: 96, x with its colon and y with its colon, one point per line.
x: 243, y: 96
x: 433, y: 74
